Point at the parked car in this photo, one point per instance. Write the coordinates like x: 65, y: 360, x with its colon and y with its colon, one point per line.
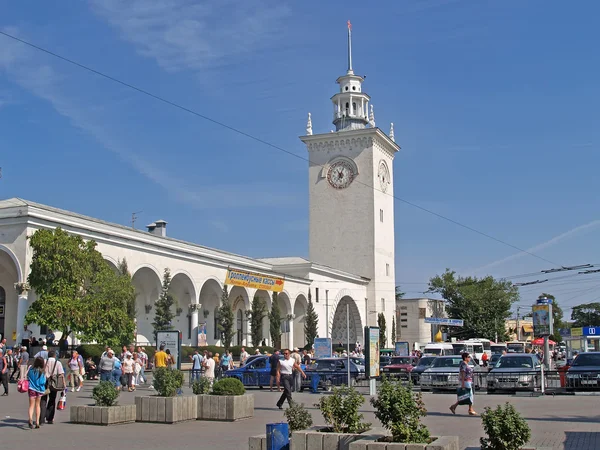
x: 257, y: 372
x: 515, y: 371
x: 332, y: 372
x: 494, y: 360
x: 584, y: 372
x: 400, y: 365
x: 384, y: 360
x: 423, y: 364
x: 443, y: 374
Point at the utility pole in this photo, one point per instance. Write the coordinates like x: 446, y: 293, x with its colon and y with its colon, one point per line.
x: 134, y: 216
x: 518, y: 327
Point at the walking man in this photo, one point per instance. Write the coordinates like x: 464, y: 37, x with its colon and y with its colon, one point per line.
x: 297, y: 379
x: 285, y: 369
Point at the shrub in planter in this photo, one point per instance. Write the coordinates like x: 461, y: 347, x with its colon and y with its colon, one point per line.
x: 201, y: 386
x: 340, y: 410
x: 228, y: 386
x: 400, y: 410
x: 105, y: 394
x: 505, y: 427
x: 167, y: 381
x: 298, y: 417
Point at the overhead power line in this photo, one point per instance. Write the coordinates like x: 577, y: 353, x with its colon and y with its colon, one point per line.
x: 262, y: 141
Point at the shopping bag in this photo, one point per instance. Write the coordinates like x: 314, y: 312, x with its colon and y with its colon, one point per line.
x: 23, y: 386
x: 463, y: 396
x: 62, y: 402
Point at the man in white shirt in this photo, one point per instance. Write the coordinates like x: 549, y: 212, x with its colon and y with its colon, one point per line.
x: 209, y: 368
x: 243, y: 357
x: 284, y: 376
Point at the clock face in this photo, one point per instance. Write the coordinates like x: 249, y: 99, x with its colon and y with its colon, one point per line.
x: 340, y: 174
x: 384, y: 176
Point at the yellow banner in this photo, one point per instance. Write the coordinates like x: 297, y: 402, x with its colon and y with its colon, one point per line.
x: 576, y: 331
x: 253, y: 280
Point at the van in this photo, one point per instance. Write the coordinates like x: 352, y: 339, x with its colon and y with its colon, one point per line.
x: 438, y: 349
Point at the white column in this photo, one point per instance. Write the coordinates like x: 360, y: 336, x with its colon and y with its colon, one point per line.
x: 362, y: 107
x: 22, y: 307
x: 291, y: 334
x: 194, y: 325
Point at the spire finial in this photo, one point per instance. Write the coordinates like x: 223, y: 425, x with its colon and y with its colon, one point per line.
x: 309, y: 126
x: 350, y: 48
x: 392, y: 132
x: 372, y: 118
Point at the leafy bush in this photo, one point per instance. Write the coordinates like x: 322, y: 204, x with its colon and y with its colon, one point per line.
x: 228, y: 386
x: 105, y: 394
x: 201, y: 386
x: 400, y: 411
x: 167, y: 381
x: 505, y: 427
x: 93, y: 350
x: 340, y: 410
x: 298, y: 417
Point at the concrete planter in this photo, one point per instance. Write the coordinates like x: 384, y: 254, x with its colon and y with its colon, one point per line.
x: 315, y: 439
x: 102, y: 415
x: 165, y: 409
x: 226, y: 408
x: 370, y: 443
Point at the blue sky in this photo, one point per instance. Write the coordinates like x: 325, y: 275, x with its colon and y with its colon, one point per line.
x: 494, y: 105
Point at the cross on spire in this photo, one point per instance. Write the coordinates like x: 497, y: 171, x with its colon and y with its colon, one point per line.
x: 350, y: 48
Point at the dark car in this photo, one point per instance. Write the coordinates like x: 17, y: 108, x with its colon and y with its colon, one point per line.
x: 257, y: 372
x: 423, y: 364
x: 584, y: 373
x: 515, y: 371
x: 444, y: 373
x: 332, y: 372
x: 494, y: 359
x: 384, y: 360
x: 400, y: 365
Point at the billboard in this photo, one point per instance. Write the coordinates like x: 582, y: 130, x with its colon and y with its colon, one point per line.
x: 172, y: 341
x: 542, y: 319
x: 402, y: 349
x: 444, y: 321
x: 202, y: 335
x: 372, y: 351
x: 253, y: 280
x: 322, y: 348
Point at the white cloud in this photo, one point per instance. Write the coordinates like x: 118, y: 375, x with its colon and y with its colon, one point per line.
x: 183, y: 34
x: 549, y: 243
x: 23, y: 66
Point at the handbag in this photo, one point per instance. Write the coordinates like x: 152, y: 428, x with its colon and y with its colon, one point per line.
x: 23, y: 385
x: 463, y: 396
x: 56, y: 382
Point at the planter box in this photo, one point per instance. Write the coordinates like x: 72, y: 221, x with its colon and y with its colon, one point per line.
x: 369, y: 442
x: 227, y: 408
x: 165, y: 409
x: 314, y: 439
x: 102, y: 415
x: 257, y: 442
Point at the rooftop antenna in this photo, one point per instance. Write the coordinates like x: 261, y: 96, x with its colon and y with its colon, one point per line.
x: 134, y: 217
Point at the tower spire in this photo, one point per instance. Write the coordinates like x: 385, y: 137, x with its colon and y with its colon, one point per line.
x: 350, y: 48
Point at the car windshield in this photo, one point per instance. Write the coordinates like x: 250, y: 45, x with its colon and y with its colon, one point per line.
x: 515, y: 362
x: 426, y: 360
x: 401, y: 360
x: 358, y: 361
x: 433, y: 351
x: 447, y: 362
x: 326, y: 364
x: 587, y: 359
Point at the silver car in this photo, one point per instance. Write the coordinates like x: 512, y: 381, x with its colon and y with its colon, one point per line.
x: 444, y: 372
x: 515, y: 371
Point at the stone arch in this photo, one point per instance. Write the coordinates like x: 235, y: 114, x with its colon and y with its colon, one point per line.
x: 148, y: 285
x: 114, y: 264
x: 240, y: 303
x: 300, y: 307
x: 266, y: 297
x: 13, y: 257
x: 209, y: 299
x: 285, y: 306
x: 184, y: 293
x: 10, y: 273
x: 339, y: 326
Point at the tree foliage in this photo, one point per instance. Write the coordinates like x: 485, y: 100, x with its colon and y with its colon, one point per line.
x: 130, y: 301
x: 257, y: 313
x: 226, y: 319
x: 382, y: 330
x: 163, y: 314
x: 311, y: 322
x: 399, y: 293
x: 275, y: 322
x: 77, y: 291
x: 586, y: 315
x: 483, y: 303
x: 393, y: 330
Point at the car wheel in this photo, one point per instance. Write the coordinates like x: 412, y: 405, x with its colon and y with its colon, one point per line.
x: 260, y: 387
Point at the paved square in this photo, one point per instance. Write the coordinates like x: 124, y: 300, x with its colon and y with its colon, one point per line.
x: 569, y: 422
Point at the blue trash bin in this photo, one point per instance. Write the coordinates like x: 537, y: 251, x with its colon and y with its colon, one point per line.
x: 278, y: 436
x: 314, y: 383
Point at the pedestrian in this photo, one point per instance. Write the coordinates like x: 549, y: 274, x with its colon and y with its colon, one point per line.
x: 4, y: 372
x: 209, y: 368
x: 75, y: 368
x: 274, y: 363
x: 37, y: 386
x: 160, y: 357
x: 170, y: 359
x: 106, y: 365
x: 23, y: 363
x: 196, y: 366
x: 285, y: 369
x: 26, y: 337
x: 128, y: 370
x: 52, y: 368
x: 43, y: 353
x: 465, y: 378
x: 226, y: 362
x: 243, y: 357
x: 117, y: 373
x: 297, y: 377
x: 143, y: 358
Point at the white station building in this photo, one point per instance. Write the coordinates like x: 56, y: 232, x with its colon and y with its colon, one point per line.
x: 351, y: 246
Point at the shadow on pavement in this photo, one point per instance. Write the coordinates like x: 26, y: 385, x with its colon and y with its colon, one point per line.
x: 14, y: 423
x: 581, y: 419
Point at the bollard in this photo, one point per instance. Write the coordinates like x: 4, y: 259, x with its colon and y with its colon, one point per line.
x: 278, y: 436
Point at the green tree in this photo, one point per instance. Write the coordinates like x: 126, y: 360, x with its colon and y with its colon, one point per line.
x: 311, y: 322
x: 483, y: 303
x: 77, y: 291
x: 557, y: 317
x: 275, y: 322
x: 163, y: 314
x: 393, y: 330
x: 226, y: 319
x: 125, y: 276
x: 256, y: 314
x: 399, y: 293
x: 382, y: 330
x: 586, y: 315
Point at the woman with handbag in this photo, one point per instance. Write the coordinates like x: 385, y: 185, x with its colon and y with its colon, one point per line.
x: 465, y: 391
x: 55, y: 376
x: 37, y: 386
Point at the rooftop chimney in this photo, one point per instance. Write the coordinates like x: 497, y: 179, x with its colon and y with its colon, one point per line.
x: 158, y: 228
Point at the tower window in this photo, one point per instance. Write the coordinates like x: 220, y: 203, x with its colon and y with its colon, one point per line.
x: 381, y: 215
x: 353, y: 108
x: 346, y: 87
x: 317, y: 294
x: 353, y: 88
x: 383, y: 304
x: 387, y: 270
x: 347, y: 108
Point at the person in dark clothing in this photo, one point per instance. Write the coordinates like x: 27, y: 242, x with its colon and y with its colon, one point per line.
x: 274, y: 363
x: 48, y: 402
x: 285, y: 370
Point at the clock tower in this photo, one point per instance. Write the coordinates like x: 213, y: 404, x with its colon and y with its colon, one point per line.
x: 351, y: 185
